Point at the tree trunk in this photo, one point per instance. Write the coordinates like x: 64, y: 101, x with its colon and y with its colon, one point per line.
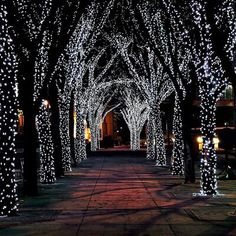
x: 132, y: 138
x: 151, y: 138
x: 93, y: 137
x: 59, y: 170
x: 64, y: 132
x: 72, y: 128
x: 137, y: 140
x: 83, y: 142
x: 98, y: 136
x: 80, y: 138
x: 177, y: 162
x: 159, y: 138
x: 47, y: 164
x: 8, y: 121
x: 135, y: 137
x: 209, y: 158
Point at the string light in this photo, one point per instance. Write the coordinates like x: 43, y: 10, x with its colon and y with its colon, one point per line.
x: 78, y: 55
x: 47, y: 165
x: 8, y: 118
x: 177, y: 160
x: 97, y: 112
x: 155, y: 81
x: 135, y: 114
x: 64, y: 114
x: 211, y: 85
x: 155, y: 86
x: 225, y: 17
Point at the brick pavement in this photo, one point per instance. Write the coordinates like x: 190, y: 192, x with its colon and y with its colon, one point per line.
x: 123, y: 194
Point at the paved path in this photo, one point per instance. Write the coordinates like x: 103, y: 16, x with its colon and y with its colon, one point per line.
x: 120, y: 194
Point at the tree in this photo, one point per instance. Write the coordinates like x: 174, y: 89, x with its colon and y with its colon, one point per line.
x: 221, y: 16
x: 8, y: 118
x: 64, y: 92
x: 164, y: 25
x: 212, y: 82
x: 177, y: 159
x: 79, y: 58
x: 47, y: 164
x: 40, y: 34
x: 135, y: 114
x: 98, y: 103
x: 155, y: 86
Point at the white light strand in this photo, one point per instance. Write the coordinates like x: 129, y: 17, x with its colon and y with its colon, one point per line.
x: 225, y: 16
x: 41, y: 63
x: 64, y: 114
x: 43, y: 124
x: 155, y: 86
x: 211, y: 84
x: 97, y: 106
x: 8, y: 119
x: 78, y: 53
x: 135, y: 114
x: 172, y: 47
x: 177, y: 159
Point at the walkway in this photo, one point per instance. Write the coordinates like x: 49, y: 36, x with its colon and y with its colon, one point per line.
x: 126, y: 195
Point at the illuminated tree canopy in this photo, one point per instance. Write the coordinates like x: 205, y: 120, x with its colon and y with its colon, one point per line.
x: 78, y: 56
x: 135, y: 113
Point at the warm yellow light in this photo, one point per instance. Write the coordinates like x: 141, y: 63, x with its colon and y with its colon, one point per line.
x: 200, y: 142
x: 216, y: 140
x: 75, y: 120
x: 87, y: 134
x: 45, y: 103
x: 199, y: 139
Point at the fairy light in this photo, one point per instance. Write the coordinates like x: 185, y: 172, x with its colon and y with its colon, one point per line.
x: 135, y: 114
x: 177, y: 160
x: 146, y: 70
x: 41, y: 63
x: 150, y: 138
x: 211, y: 85
x: 74, y: 62
x: 75, y: 69
x: 225, y: 17
x: 78, y: 53
x: 47, y: 165
x: 155, y: 87
x: 80, y: 142
x: 172, y: 50
x: 97, y: 111
x: 8, y: 119
x: 64, y: 108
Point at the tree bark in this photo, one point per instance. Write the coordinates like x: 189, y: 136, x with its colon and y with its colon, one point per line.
x: 208, y: 159
x: 72, y: 127
x: 64, y: 132
x: 177, y: 162
x: 160, y: 140
x: 134, y: 139
x: 80, y: 138
x: 8, y: 120
x: 150, y: 138
x: 94, y: 137
x: 59, y: 170
x: 46, y: 148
